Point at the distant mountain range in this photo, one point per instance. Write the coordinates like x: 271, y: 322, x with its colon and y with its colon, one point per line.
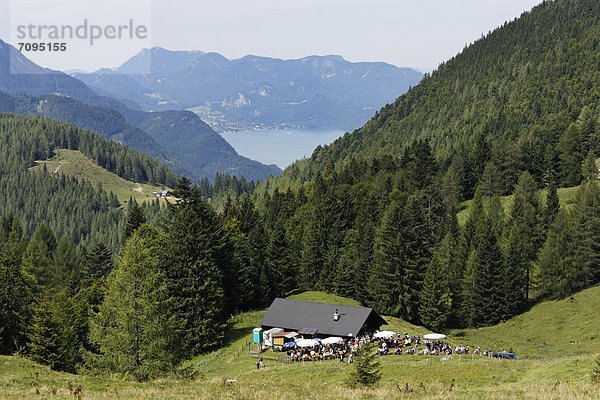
x: 179, y: 138
x: 255, y: 92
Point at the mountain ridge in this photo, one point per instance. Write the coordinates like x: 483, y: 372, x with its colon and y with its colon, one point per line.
x: 256, y: 91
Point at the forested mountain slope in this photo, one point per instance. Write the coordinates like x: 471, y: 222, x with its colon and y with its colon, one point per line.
x: 203, y: 152
x: 524, y: 97
x: 102, y: 120
x: 70, y: 207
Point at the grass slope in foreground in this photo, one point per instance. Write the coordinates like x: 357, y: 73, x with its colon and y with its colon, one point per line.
x: 73, y: 163
x: 558, y: 376
x: 550, y: 330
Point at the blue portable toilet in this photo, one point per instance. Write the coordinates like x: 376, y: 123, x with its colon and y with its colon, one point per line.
x: 257, y: 335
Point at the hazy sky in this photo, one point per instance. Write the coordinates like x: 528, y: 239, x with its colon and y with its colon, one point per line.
x: 411, y: 33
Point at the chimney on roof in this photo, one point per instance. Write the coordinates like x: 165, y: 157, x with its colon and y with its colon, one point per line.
x: 336, y: 315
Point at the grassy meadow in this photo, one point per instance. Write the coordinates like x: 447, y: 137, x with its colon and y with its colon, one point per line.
x: 552, y: 366
x: 73, y: 163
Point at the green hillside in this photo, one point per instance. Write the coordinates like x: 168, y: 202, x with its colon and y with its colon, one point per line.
x: 546, y: 372
x: 550, y: 330
x: 74, y: 164
x: 321, y: 297
x: 83, y: 200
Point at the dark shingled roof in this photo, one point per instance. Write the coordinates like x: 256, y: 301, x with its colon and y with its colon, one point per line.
x: 296, y: 315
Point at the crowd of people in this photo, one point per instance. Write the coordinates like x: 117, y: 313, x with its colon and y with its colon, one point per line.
x: 398, y: 345
x: 406, y: 344
x: 342, y: 351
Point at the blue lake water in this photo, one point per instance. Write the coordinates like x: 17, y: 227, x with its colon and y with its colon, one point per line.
x: 280, y: 146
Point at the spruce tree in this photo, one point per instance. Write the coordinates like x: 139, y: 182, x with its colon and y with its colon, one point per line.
x: 37, y: 262
x: 515, y: 273
x: 587, y: 232
x: 254, y: 271
x: 526, y: 226
x: 448, y: 255
x: 315, y: 236
x: 589, y: 169
x: 15, y: 304
x: 45, y: 234
x: 66, y: 265
x: 242, y: 257
x: 490, y: 181
x: 559, y: 272
x: 367, y: 370
x: 98, y: 262
x: 552, y: 205
x: 495, y: 213
x: 46, y: 342
x: 278, y: 266
x: 71, y: 313
x: 466, y: 311
x: 386, y: 283
x: 197, y: 262
x: 135, y: 218
x: 569, y: 153
x: 365, y: 225
x: 418, y: 239
x: 13, y: 242
x: 57, y: 332
x: 436, y: 301
x: 488, y: 274
x: 465, y: 261
x: 347, y: 265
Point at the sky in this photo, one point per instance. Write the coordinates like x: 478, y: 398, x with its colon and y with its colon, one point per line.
x: 407, y: 33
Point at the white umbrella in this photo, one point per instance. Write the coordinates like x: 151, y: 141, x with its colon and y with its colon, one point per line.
x: 434, y: 336
x: 306, y: 343
x: 332, y: 340
x: 384, y: 334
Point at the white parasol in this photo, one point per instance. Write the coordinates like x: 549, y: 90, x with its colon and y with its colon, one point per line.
x: 306, y: 343
x: 434, y: 336
x: 384, y: 334
x: 332, y: 340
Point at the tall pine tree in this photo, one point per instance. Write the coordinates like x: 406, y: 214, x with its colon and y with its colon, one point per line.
x: 135, y: 218
x: 197, y: 263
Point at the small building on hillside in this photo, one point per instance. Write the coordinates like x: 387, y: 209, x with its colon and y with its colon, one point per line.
x: 279, y: 339
x: 163, y: 194
x: 321, y: 319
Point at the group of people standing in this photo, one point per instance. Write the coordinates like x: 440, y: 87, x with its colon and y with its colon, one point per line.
x: 342, y: 351
x: 407, y: 345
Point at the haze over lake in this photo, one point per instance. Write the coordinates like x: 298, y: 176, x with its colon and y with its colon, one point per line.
x: 280, y: 146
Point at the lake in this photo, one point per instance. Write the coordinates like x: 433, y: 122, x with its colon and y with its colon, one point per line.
x: 280, y: 146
